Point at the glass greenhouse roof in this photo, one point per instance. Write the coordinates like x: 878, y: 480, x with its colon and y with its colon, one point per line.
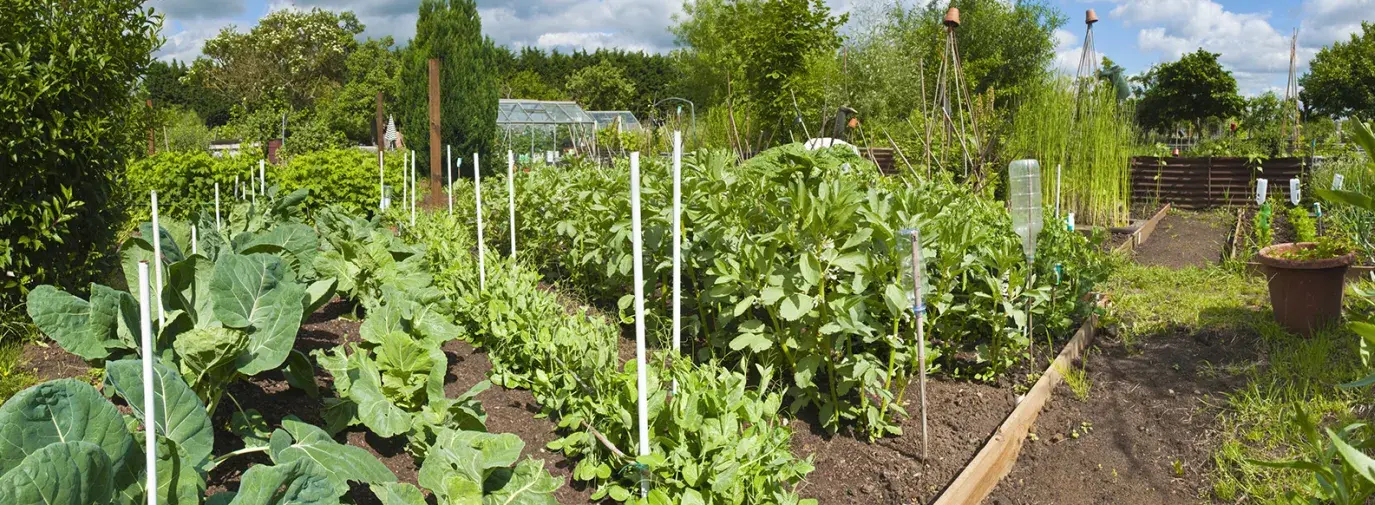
x: 605, y: 118
x: 536, y: 112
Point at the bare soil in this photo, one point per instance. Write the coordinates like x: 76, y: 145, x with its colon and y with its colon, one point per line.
x: 1186, y: 239
x: 1144, y: 431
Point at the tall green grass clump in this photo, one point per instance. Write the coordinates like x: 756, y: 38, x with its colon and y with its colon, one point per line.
x: 1089, y: 134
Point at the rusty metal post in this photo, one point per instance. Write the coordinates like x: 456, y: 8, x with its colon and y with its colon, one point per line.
x: 436, y: 188
x: 381, y: 127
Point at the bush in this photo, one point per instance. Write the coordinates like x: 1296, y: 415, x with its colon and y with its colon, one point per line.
x: 70, y: 70
x: 185, y: 181
x: 343, y: 177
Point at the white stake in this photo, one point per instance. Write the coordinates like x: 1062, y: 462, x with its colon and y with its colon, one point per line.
x: 677, y: 246
x: 150, y: 439
x: 477, y: 197
x: 381, y: 179
x: 405, y: 184
x: 449, y: 167
x: 157, y: 262
x: 217, y: 206
x: 919, y: 311
x: 262, y: 177
x: 195, y: 249
x: 237, y: 194
x: 1057, y: 190
x: 413, y: 195
x: 511, y: 195
x: 637, y: 257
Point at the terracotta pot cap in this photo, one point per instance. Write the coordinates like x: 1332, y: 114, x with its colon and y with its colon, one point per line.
x: 1090, y: 17
x: 1270, y: 256
x: 952, y: 18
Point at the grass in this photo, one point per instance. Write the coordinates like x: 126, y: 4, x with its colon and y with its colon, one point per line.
x: 1289, y: 372
x: 15, y: 331
x: 1077, y: 379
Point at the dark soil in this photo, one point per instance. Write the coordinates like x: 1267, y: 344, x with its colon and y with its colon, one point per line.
x: 1144, y: 430
x: 849, y: 469
x: 50, y: 362
x: 1184, y: 239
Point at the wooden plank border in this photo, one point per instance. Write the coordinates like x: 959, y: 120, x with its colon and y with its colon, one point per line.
x: 1139, y: 236
x: 995, y: 460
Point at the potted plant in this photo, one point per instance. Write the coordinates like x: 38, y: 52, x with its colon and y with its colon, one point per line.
x: 1306, y: 282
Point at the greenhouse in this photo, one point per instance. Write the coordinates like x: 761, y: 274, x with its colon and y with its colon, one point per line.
x: 544, y: 123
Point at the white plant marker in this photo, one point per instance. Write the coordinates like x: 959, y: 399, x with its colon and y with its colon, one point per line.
x: 449, y: 168
x: 262, y: 177
x: 637, y: 256
x: 238, y: 194
x: 1294, y: 191
x: 150, y: 441
x: 381, y: 180
x: 195, y: 249
x: 1337, y: 181
x: 157, y: 262
x: 1069, y: 221
x: 511, y: 195
x: 677, y: 247
x: 1262, y: 186
x: 217, y: 206
x: 413, y: 195
x: 477, y: 197
x: 405, y: 184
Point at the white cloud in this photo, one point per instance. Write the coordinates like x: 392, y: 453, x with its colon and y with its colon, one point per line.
x: 1255, y: 51
x: 1326, y: 21
x: 1069, y: 48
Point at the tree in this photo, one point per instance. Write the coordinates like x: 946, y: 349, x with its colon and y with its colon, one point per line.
x: 451, y: 31
x: 375, y: 66
x: 530, y: 86
x: 1190, y: 90
x: 1341, y: 80
x: 68, y: 122
x: 167, y: 85
x: 756, y: 50
x: 601, y: 87
x: 294, y: 55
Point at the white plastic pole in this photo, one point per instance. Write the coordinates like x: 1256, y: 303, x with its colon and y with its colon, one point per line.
x: 150, y: 440
x: 157, y: 262
x: 381, y: 179
x: 217, y: 207
x: 477, y: 197
x: 637, y: 257
x: 413, y: 195
x: 511, y: 195
x: 920, y: 312
x: 238, y: 194
x: 405, y: 181
x: 449, y: 168
x: 262, y: 177
x: 195, y: 249
x: 677, y: 245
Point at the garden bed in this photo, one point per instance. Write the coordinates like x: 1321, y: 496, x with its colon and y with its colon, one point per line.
x: 1243, y: 242
x: 1186, y: 239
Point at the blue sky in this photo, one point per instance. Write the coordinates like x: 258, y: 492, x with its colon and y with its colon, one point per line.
x: 1251, y: 35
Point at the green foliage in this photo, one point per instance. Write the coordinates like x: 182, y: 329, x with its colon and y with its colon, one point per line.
x: 1088, y: 136
x: 451, y: 31
x: 532, y: 73
x: 1339, y: 82
x: 758, y: 50
x: 801, y: 277
x: 1262, y: 227
x: 185, y: 181
x: 526, y: 84
x: 65, y: 104
x: 1305, y: 228
x: 168, y: 86
x: 601, y: 87
x: 344, y: 178
x: 1189, y: 90
x: 475, y: 467
x: 373, y: 67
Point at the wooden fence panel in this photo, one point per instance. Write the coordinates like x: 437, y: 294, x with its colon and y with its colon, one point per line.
x: 1202, y: 183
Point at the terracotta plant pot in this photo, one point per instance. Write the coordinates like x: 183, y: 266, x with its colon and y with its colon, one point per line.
x: 1306, y: 295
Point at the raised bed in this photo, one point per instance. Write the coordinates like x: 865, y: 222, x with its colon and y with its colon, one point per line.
x: 1242, y: 233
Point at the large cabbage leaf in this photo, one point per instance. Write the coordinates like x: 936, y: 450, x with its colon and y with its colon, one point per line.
x: 95, y: 329
x: 66, y: 473
x: 179, y: 415
x: 65, y: 410
x: 340, y: 463
x: 249, y: 292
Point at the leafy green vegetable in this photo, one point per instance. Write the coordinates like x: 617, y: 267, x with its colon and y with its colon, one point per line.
x: 475, y: 467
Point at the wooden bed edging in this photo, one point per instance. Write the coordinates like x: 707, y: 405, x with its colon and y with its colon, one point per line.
x: 1144, y: 232
x: 995, y: 460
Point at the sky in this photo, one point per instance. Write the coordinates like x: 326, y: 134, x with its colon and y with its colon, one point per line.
x: 1252, y: 36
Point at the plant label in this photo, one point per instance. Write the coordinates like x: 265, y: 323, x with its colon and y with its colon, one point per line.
x: 1262, y: 186
x: 1069, y: 220
x: 549, y: 157
x: 1337, y: 181
x: 1294, y: 191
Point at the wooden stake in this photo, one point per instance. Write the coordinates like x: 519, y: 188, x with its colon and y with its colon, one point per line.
x: 435, y: 155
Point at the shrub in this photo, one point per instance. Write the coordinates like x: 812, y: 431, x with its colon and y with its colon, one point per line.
x: 185, y: 181
x: 65, y: 112
x: 343, y: 177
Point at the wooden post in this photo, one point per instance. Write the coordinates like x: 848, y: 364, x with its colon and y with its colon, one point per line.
x: 381, y: 127
x: 436, y: 187
x: 152, y: 146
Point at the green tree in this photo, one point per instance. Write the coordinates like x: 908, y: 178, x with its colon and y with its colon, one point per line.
x: 1190, y: 90
x: 167, y: 84
x: 295, y: 55
x: 601, y: 87
x: 1341, y: 80
x: 451, y: 31
x: 68, y: 122
x: 529, y: 85
x: 758, y: 50
x: 375, y: 66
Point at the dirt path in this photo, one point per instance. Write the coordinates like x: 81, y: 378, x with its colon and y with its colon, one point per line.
x: 1184, y: 239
